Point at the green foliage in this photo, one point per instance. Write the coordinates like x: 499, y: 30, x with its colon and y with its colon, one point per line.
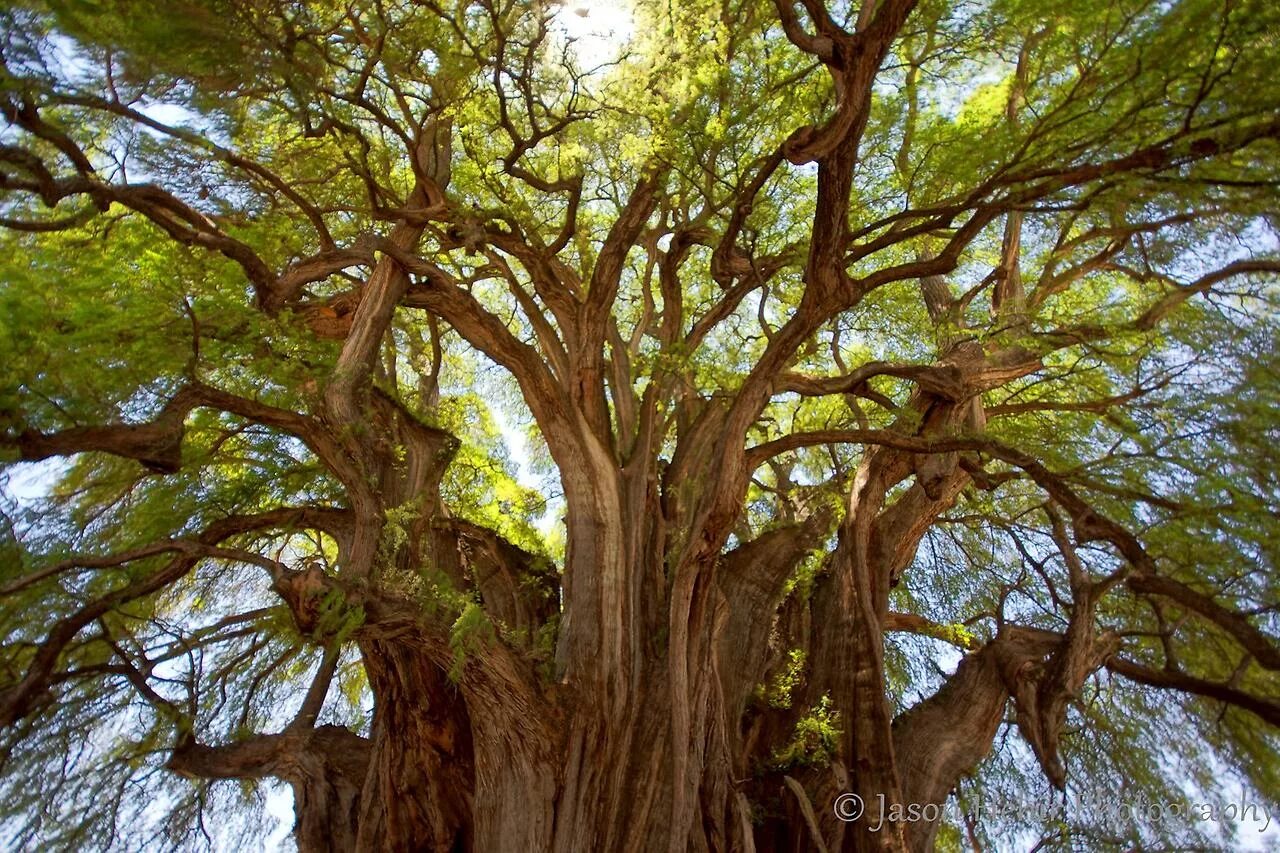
x: 471, y: 630
x: 815, y: 740
x: 336, y: 618
x: 778, y: 693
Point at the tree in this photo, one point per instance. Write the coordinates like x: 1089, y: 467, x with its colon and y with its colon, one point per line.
x: 901, y: 377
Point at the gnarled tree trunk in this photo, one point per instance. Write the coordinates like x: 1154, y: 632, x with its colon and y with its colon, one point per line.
x: 471, y: 750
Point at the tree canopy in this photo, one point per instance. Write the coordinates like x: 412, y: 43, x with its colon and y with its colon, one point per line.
x: 769, y: 400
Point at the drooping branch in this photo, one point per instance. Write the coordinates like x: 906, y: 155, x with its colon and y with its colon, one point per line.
x: 1099, y: 405
x: 944, y: 737
x: 90, y: 563
x: 1161, y: 309
x: 19, y: 699
x: 1090, y: 525
x: 913, y: 623
x: 1263, y: 648
x: 947, y: 379
x: 1172, y: 679
x: 1010, y: 188
x: 1041, y: 698
x: 157, y: 444
x: 233, y: 158
x: 74, y: 220
x: 326, y: 767
x: 175, y: 217
x: 261, y: 756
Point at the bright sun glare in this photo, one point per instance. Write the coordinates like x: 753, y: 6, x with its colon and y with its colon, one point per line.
x: 599, y: 28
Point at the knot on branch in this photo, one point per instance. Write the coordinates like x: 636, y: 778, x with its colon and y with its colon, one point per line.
x: 1091, y: 527
x: 797, y: 146
x: 1043, y: 687
x: 320, y: 608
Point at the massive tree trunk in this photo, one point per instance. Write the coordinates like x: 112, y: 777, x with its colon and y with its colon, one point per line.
x: 477, y: 766
x: 649, y: 727
x: 617, y: 746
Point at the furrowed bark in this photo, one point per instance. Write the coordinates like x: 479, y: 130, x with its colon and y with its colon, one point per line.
x: 418, y: 791
x: 325, y: 766
x: 944, y: 737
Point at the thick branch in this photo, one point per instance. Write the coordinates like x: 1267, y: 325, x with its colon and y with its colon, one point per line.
x: 1256, y: 643
x: 1266, y: 709
x: 157, y: 444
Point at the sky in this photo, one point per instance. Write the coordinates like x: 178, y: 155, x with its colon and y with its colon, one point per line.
x: 598, y: 28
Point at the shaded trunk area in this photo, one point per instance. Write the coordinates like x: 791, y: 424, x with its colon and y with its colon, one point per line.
x: 417, y: 794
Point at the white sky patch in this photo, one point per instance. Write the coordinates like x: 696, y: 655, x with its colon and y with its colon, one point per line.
x: 172, y: 115
x: 279, y: 806
x: 599, y: 28
x: 525, y: 476
x: 30, y: 482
